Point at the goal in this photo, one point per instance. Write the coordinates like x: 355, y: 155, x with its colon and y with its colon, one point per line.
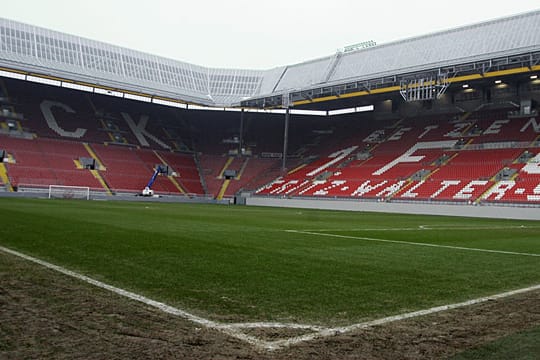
x: 69, y: 192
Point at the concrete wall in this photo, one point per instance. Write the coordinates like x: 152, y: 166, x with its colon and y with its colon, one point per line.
x: 502, y: 212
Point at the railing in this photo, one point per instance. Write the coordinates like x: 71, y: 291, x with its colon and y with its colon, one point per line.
x: 496, y: 145
x: 395, y: 201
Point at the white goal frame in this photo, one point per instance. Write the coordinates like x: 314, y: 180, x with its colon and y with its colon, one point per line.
x: 69, y: 192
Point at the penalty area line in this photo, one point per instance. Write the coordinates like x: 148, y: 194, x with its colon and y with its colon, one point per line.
x: 411, y: 243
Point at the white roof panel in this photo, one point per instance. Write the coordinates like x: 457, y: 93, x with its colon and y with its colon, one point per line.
x: 500, y: 37
x: 31, y: 48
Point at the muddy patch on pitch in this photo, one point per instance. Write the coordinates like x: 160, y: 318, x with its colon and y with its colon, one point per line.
x: 44, y: 314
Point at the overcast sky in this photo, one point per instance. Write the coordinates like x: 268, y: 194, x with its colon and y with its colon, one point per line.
x: 253, y: 34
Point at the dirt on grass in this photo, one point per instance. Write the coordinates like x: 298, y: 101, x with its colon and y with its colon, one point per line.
x: 47, y: 315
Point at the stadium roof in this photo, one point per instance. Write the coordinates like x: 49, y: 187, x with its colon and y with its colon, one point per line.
x: 498, y: 45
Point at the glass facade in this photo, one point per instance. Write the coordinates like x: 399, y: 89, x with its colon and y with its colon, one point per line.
x: 60, y: 52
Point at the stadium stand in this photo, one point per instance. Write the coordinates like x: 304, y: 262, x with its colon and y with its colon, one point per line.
x: 409, y: 168
x: 55, y: 134
x: 464, y: 157
x: 46, y: 162
x: 125, y: 159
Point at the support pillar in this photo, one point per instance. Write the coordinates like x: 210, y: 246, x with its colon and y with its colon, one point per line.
x: 241, y: 135
x: 285, y: 139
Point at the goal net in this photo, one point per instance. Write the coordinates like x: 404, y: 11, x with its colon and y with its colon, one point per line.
x: 69, y: 192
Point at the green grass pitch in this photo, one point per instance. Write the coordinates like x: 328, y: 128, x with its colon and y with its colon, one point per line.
x: 235, y: 263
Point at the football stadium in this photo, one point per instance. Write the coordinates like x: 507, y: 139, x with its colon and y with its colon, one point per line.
x: 382, y: 202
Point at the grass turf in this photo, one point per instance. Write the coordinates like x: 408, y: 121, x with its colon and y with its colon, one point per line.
x: 520, y: 346
x: 238, y: 263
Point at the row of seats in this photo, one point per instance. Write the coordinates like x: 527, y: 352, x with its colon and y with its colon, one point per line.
x: 438, y: 157
x: 452, y: 160
x: 46, y: 162
x: 56, y: 125
x: 125, y: 168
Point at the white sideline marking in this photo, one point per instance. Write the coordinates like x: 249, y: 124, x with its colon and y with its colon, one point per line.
x: 412, y: 243
x: 233, y: 329
x: 225, y: 328
x: 433, y: 227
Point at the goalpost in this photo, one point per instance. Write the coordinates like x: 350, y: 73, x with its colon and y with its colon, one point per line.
x: 69, y: 192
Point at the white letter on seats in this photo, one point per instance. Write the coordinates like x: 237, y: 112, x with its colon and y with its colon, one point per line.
x: 428, y: 129
x: 399, y: 134
x: 46, y: 106
x: 467, y: 191
x: 533, y: 123
x: 445, y: 185
x: 391, y: 189
x: 140, y: 132
x: 536, y: 196
x: 410, y: 194
x: 406, y: 157
x: 495, y: 127
x: 533, y: 166
x: 365, y: 187
x: 500, y: 189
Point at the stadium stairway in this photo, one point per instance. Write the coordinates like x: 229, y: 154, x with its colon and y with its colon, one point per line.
x: 92, y: 154
x: 170, y: 177
x: 223, y: 189
x: 102, y: 181
x: 486, y: 193
x: 247, y: 169
x: 226, y: 182
x: 96, y: 173
x: 242, y: 169
x: 176, y: 184
x: 202, y: 180
x: 225, y: 167
x: 299, y: 167
x: 5, y: 178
